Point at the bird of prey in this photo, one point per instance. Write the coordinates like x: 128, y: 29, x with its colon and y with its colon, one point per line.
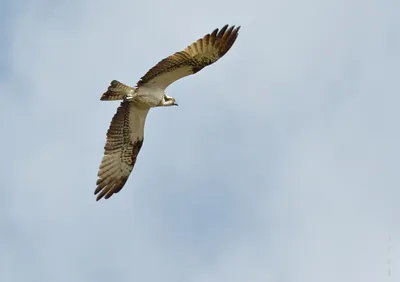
x: 125, y: 134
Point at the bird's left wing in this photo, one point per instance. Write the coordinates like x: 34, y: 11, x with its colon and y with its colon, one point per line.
x: 192, y: 59
x: 124, y: 140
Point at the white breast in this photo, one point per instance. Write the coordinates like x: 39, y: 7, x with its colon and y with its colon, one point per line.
x: 149, y: 96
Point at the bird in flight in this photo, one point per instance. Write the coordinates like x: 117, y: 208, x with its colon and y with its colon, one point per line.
x: 126, y: 131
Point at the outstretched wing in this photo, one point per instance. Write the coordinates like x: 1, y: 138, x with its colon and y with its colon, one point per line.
x: 124, y: 140
x: 192, y: 59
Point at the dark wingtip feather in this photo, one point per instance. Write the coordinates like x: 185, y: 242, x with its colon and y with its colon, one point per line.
x: 223, y: 29
x: 102, y: 193
x: 227, y: 39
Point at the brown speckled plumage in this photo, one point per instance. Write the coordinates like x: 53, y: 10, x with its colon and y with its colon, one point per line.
x: 192, y: 59
x: 120, y: 153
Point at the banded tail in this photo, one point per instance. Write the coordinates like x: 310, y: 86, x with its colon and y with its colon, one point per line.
x: 117, y: 91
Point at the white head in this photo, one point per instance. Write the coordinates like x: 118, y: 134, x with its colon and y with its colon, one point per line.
x: 168, y: 101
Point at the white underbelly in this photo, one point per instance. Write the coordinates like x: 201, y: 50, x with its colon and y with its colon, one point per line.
x: 149, y: 96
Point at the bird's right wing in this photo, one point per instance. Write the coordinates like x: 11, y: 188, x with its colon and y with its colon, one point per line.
x: 192, y: 59
x: 124, y: 140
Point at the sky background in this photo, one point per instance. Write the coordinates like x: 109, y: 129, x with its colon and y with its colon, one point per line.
x: 280, y: 163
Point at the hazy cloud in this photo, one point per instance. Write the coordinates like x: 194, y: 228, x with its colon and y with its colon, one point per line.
x: 279, y: 164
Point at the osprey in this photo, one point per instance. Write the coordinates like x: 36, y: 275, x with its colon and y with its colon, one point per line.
x: 125, y: 134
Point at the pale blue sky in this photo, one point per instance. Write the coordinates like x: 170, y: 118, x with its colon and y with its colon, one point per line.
x: 280, y: 163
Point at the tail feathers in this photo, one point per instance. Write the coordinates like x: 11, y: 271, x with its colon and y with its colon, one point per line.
x: 117, y: 91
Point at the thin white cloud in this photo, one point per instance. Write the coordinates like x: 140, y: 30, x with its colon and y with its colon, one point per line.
x: 279, y: 164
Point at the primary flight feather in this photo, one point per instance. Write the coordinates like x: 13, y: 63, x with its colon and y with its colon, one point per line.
x: 126, y: 131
